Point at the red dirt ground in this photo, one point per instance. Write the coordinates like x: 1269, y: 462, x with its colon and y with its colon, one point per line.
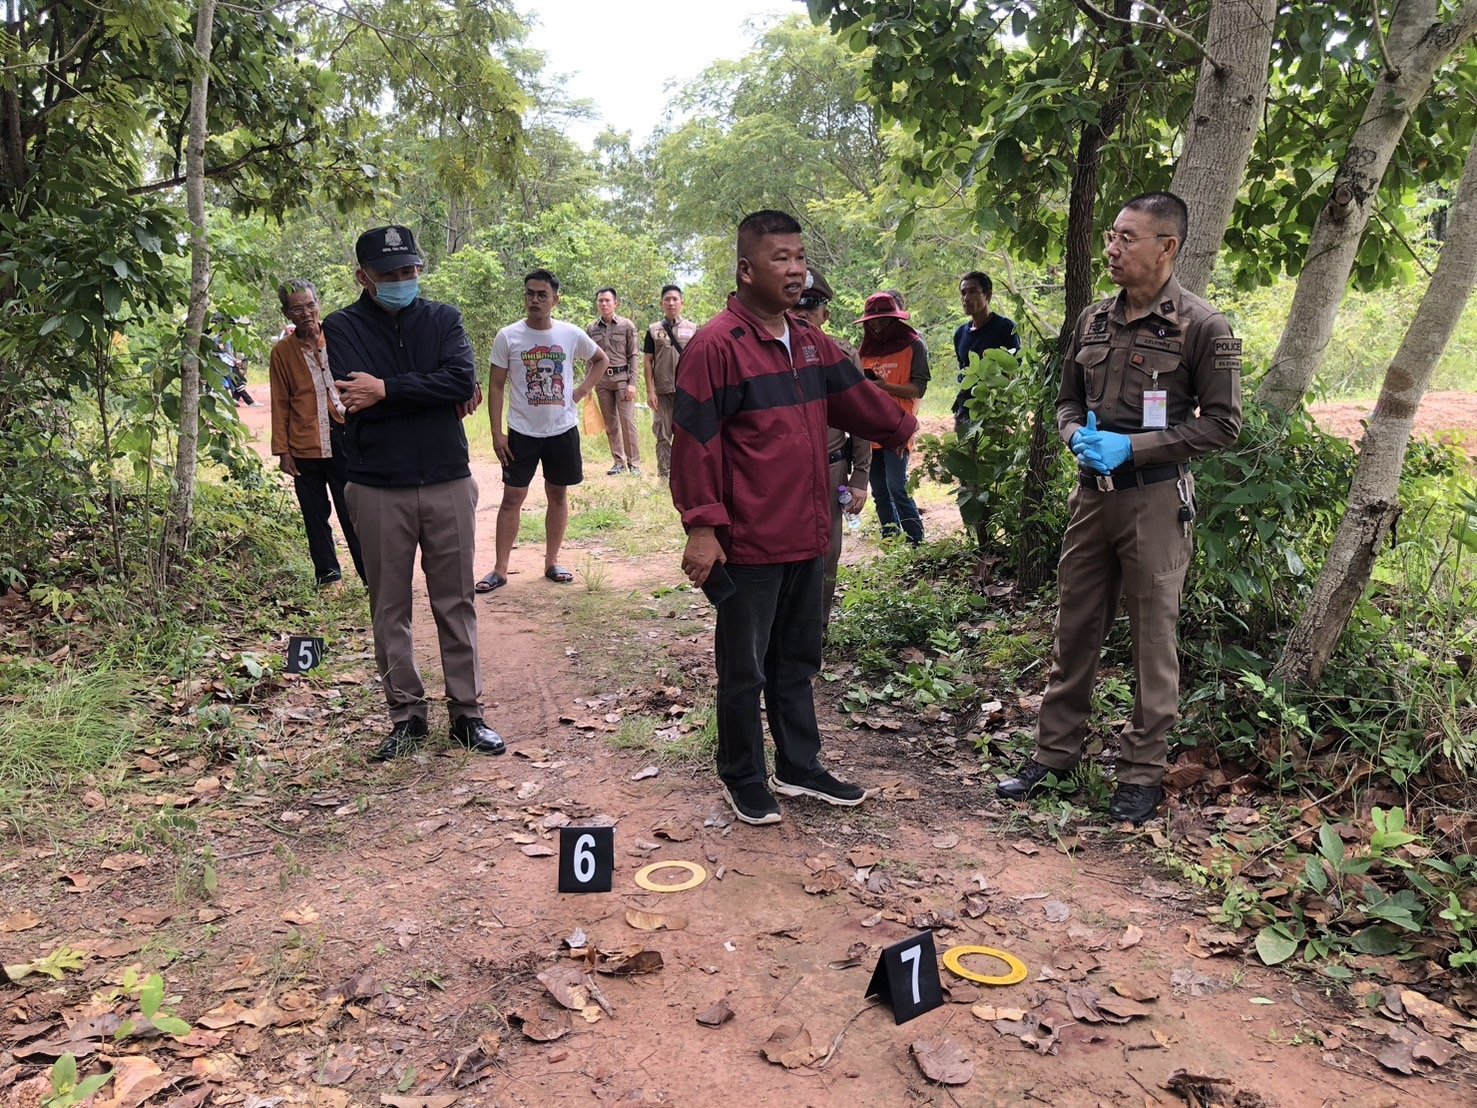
x: 377, y: 933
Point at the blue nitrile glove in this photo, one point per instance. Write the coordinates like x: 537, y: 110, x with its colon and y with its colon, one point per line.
x: 1101, y: 451
x: 1084, y: 436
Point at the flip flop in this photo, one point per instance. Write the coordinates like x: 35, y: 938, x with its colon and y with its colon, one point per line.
x: 493, y: 580
x: 559, y: 574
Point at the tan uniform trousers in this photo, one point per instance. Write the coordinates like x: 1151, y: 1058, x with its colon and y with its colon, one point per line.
x: 439, y: 520
x: 620, y: 419
x: 663, y: 405
x: 1127, y: 543
x: 839, y: 473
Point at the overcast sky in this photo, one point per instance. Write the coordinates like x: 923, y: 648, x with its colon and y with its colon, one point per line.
x: 623, y: 55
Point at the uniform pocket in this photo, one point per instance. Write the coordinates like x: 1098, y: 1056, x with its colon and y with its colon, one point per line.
x: 1092, y: 361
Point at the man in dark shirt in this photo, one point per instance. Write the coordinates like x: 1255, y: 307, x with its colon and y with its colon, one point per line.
x: 984, y: 331
x: 404, y: 370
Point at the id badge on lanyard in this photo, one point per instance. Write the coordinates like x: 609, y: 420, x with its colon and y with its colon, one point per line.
x: 1156, y: 406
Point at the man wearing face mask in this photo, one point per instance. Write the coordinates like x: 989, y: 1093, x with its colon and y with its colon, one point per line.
x: 406, y: 375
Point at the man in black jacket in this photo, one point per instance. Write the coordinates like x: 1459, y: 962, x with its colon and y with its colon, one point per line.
x: 407, y: 376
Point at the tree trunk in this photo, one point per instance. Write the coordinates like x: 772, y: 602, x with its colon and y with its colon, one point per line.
x: 182, y: 510
x: 1224, y: 121
x: 1374, y: 498
x: 1035, y: 551
x: 1416, y: 46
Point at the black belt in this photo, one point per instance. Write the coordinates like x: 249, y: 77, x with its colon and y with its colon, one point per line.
x: 611, y: 371
x: 835, y: 457
x: 1125, y: 477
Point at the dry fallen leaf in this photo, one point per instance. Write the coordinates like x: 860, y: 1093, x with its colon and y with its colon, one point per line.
x: 1132, y: 936
x: 865, y: 855
x: 1026, y: 847
x: 943, y: 1061
x: 339, y: 1066
x: 643, y: 774
x: 789, y: 1045
x: 989, y: 1013
x: 566, y: 985
x: 23, y: 920
x: 655, y: 921
x: 1135, y: 990
x: 947, y: 841
x: 1057, y: 911
x: 136, y: 1078
x: 302, y: 914
x: 445, y: 1100
x: 628, y: 965
x: 118, y: 863
x: 540, y: 1026
x: 716, y: 1016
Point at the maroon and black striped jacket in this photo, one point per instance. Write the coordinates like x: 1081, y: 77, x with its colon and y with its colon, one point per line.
x: 749, y: 442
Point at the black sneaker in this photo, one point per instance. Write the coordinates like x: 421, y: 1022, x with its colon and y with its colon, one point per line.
x: 1135, y: 803
x: 822, y: 786
x: 615, y: 470
x: 332, y: 577
x: 473, y: 734
x: 1032, y: 779
x: 403, y: 738
x: 752, y: 803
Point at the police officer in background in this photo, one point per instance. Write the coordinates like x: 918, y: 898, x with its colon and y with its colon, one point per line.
x: 1151, y: 380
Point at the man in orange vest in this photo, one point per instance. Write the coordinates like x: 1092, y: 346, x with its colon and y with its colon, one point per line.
x: 896, y: 359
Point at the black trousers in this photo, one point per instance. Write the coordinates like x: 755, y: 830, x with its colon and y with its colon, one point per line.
x: 317, y: 479
x: 768, y: 641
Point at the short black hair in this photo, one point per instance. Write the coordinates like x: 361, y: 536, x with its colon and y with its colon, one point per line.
x: 542, y: 275
x: 1166, y: 207
x: 768, y: 222
x: 608, y: 289
x: 671, y: 288
x: 981, y: 279
x: 295, y: 285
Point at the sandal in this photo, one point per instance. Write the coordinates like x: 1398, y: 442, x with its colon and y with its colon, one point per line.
x: 559, y: 574
x: 493, y: 580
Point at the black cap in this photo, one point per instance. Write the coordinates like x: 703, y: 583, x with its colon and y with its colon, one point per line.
x: 385, y: 248
x: 816, y: 289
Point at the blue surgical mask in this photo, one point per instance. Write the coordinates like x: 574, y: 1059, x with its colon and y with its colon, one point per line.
x: 394, y: 295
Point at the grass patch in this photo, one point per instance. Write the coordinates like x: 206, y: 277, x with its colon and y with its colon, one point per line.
x: 65, y: 727
x: 668, y: 743
x: 596, y: 520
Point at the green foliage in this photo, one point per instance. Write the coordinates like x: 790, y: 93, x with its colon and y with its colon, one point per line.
x: 66, y: 1091
x: 58, y: 726
x: 988, y: 461
x: 1341, y: 902
x: 148, y: 992
x: 900, y: 600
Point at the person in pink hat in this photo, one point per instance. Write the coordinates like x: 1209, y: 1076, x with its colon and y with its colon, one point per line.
x: 896, y: 360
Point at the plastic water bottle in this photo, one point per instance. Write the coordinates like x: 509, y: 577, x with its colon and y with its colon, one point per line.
x: 853, y: 520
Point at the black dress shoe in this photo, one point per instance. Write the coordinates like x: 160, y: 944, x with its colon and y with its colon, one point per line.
x: 1135, y: 803
x: 1032, y: 780
x: 473, y: 734
x: 404, y: 737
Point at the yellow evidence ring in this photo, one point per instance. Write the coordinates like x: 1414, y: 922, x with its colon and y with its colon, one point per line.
x: 955, y: 953
x: 699, y: 875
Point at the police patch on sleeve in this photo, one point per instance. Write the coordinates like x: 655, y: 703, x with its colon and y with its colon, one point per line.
x: 1227, y: 353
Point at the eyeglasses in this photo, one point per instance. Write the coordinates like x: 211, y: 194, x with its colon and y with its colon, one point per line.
x: 1125, y: 240
x: 536, y: 294
x: 299, y: 309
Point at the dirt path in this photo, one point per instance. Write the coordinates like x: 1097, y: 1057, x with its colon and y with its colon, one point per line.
x: 376, y: 933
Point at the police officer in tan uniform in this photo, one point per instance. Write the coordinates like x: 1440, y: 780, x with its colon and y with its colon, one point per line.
x: 664, y: 343
x: 1151, y: 380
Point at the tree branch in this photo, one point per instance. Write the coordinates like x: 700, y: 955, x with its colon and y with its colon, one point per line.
x: 1164, y: 21
x: 219, y: 170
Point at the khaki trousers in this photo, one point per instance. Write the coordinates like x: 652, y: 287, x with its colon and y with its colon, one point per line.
x: 439, y: 521
x: 620, y: 421
x: 663, y: 405
x: 1128, y: 543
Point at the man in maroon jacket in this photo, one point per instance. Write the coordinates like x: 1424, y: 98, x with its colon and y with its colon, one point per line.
x: 756, y: 389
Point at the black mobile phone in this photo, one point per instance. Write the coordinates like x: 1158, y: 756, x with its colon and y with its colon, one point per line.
x: 719, y: 586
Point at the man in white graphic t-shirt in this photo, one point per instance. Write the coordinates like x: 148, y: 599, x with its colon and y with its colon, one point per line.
x: 533, y: 363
